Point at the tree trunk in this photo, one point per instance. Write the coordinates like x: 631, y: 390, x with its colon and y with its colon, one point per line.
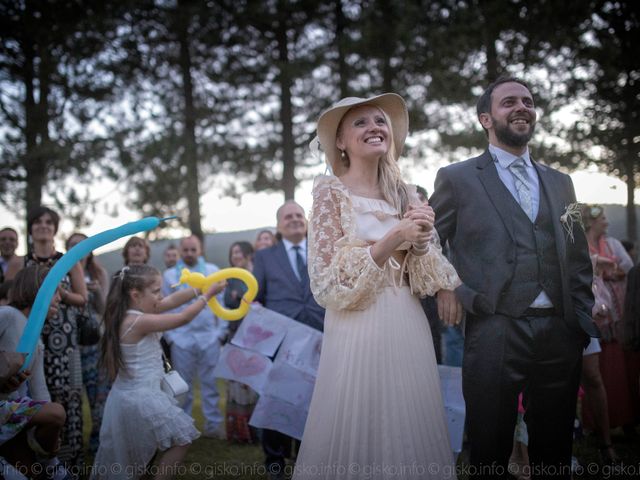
x: 286, y: 108
x: 190, y: 154
x: 35, y: 169
x: 489, y: 37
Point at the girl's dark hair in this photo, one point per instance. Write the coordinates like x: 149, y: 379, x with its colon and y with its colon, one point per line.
x: 37, y: 212
x: 25, y: 286
x: 67, y: 246
x: 131, y: 242
x: 133, y: 277
x: 245, y: 247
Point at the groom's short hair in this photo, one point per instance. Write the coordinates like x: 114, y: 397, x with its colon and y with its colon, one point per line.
x: 484, y: 102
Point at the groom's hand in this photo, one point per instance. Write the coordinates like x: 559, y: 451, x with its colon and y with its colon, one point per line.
x: 449, y: 307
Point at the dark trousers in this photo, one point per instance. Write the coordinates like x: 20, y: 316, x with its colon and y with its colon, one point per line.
x: 503, y: 356
x: 277, y: 447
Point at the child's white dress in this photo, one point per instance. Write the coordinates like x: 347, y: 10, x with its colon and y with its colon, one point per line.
x: 139, y: 418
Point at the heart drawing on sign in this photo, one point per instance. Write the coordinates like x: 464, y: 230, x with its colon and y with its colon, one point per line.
x: 256, y: 334
x: 245, y: 365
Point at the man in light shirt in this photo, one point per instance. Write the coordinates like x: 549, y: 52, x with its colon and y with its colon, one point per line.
x: 526, y: 288
x: 195, y: 346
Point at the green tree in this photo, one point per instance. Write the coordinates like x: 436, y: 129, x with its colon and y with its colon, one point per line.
x: 607, y: 81
x: 51, y: 91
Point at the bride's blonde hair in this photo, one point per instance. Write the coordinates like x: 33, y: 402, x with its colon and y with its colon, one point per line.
x: 393, y: 188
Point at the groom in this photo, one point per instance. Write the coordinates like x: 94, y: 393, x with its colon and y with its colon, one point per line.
x: 526, y: 289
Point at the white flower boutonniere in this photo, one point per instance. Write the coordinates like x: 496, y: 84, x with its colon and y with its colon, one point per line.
x: 570, y: 217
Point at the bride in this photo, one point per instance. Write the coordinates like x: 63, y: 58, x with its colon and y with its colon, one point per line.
x: 377, y: 410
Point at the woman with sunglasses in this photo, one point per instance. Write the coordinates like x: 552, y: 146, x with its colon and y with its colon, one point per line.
x: 619, y: 368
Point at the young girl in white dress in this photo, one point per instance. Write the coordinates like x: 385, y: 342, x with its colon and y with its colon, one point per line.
x: 140, y: 419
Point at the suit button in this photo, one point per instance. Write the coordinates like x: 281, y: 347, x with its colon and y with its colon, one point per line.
x: 510, y: 261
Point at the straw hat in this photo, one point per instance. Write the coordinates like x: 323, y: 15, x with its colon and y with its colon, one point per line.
x: 392, y: 104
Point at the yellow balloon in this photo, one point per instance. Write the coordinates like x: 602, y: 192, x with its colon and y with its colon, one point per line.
x: 202, y: 283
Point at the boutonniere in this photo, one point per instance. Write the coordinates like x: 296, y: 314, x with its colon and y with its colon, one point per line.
x: 570, y: 217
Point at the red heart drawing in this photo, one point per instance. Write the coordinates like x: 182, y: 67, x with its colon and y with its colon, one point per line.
x: 255, y: 334
x: 243, y: 365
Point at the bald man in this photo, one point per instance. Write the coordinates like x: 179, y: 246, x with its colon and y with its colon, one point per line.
x: 195, y: 347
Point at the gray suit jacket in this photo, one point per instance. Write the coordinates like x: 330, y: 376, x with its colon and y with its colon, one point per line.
x: 471, y: 215
x: 280, y: 290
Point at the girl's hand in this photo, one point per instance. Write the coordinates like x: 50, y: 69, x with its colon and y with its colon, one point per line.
x: 215, y: 289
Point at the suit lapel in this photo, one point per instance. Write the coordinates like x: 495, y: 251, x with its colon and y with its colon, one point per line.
x: 497, y: 192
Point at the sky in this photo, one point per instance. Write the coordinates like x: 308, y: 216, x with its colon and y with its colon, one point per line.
x: 257, y: 210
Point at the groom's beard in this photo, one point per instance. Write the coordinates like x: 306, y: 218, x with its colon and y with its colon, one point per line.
x: 507, y: 136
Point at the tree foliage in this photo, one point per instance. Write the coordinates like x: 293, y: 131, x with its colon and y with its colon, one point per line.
x: 172, y: 97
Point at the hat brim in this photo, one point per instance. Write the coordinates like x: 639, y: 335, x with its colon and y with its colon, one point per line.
x: 391, y: 103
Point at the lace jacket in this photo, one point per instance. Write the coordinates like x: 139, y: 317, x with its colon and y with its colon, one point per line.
x: 342, y: 272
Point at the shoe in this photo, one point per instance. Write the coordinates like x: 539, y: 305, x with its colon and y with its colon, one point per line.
x: 608, y: 456
x: 219, y: 433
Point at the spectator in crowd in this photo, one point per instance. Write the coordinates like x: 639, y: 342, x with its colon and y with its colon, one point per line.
x: 283, y: 286
x: 241, y: 399
x: 94, y: 378
x: 195, y: 346
x: 31, y: 423
x: 264, y: 239
x: 171, y: 256
x: 8, y: 245
x: 136, y: 251
x: 62, y: 364
x: 619, y: 368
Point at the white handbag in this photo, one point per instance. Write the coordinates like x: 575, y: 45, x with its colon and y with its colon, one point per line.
x: 172, y: 383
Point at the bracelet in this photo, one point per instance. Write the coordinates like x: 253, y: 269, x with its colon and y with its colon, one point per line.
x: 419, y: 251
x: 196, y: 292
x: 202, y: 297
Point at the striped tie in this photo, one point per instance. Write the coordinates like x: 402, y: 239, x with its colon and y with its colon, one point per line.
x: 519, y: 172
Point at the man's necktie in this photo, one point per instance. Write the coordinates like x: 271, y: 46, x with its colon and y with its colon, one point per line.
x: 523, y: 187
x: 303, y: 275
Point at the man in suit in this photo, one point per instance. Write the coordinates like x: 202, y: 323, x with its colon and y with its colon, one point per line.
x: 283, y: 286
x: 526, y: 288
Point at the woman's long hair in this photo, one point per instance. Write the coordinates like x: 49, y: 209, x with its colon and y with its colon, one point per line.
x: 393, y: 188
x: 133, y: 277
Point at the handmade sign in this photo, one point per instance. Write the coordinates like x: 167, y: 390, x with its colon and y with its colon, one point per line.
x: 289, y: 384
x: 276, y: 414
x: 244, y: 366
x: 262, y: 330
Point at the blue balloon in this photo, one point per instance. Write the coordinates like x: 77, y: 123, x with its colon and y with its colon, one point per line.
x: 33, y: 328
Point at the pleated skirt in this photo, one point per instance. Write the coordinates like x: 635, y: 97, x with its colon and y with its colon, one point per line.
x: 377, y: 409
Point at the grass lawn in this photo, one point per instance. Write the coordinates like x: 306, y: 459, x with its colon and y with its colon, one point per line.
x: 212, y: 458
